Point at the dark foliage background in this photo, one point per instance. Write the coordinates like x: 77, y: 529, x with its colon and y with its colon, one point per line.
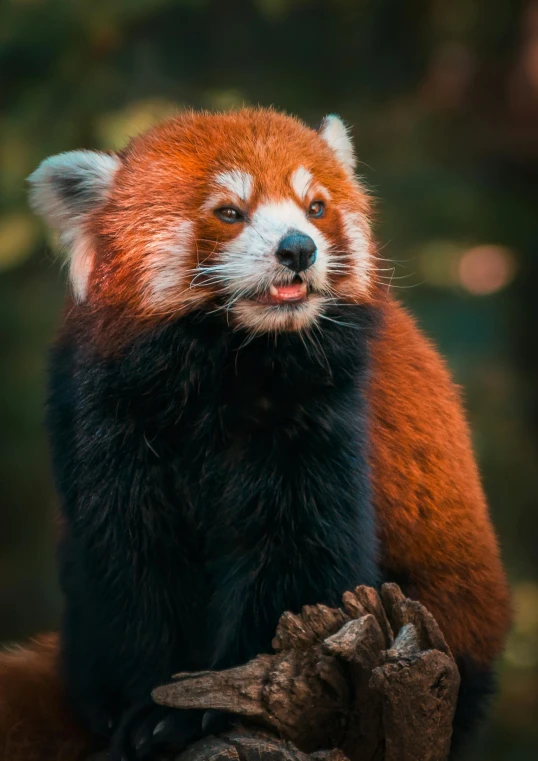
x: 443, y: 97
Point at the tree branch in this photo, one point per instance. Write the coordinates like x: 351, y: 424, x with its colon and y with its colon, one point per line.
x: 339, y: 683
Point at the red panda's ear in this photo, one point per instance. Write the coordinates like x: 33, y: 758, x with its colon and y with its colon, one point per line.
x: 64, y: 190
x: 335, y: 133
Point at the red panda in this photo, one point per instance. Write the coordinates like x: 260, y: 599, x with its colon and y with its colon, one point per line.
x: 242, y: 421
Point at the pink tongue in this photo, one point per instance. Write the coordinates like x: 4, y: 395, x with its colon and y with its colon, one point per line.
x: 288, y: 292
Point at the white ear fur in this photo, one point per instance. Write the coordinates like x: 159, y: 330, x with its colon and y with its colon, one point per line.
x: 64, y: 189
x: 335, y: 133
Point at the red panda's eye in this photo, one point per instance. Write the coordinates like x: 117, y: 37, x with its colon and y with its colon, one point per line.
x: 229, y: 214
x: 316, y: 209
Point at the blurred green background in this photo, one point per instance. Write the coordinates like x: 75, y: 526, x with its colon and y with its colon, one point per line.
x: 443, y: 97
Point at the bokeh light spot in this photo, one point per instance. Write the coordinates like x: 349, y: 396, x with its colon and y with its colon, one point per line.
x: 19, y: 233
x: 114, y: 129
x: 486, y: 269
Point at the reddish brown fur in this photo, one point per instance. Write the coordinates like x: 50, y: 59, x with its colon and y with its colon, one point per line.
x: 35, y: 721
x: 433, y: 517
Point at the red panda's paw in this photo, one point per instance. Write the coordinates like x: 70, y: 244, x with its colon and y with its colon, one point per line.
x: 148, y: 731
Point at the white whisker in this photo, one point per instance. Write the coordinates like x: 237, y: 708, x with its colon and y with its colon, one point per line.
x: 338, y: 322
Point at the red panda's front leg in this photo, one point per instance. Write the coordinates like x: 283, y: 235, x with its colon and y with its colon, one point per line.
x: 436, y: 535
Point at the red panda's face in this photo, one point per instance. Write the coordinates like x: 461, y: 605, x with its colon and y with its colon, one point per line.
x: 249, y: 214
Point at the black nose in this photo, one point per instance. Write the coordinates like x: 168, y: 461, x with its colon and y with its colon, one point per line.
x: 297, y: 251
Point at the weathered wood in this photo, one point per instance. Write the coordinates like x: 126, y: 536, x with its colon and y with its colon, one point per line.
x: 418, y: 691
x: 372, y: 681
x: 243, y: 745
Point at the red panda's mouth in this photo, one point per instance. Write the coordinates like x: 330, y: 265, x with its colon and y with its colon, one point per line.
x: 290, y: 293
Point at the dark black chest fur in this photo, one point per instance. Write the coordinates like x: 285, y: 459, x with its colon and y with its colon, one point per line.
x: 208, y: 483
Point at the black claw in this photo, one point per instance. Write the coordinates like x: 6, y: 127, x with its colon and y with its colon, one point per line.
x: 160, y: 729
x: 151, y: 729
x: 215, y: 722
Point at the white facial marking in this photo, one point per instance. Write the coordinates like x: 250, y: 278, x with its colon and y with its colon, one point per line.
x: 301, y: 181
x: 81, y: 264
x: 166, y: 261
x: 237, y: 182
x: 334, y: 132
x: 265, y: 319
x: 64, y: 190
x: 304, y: 184
x: 357, y: 232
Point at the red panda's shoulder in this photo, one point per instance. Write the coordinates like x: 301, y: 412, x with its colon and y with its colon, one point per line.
x: 417, y: 419
x: 433, y: 520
